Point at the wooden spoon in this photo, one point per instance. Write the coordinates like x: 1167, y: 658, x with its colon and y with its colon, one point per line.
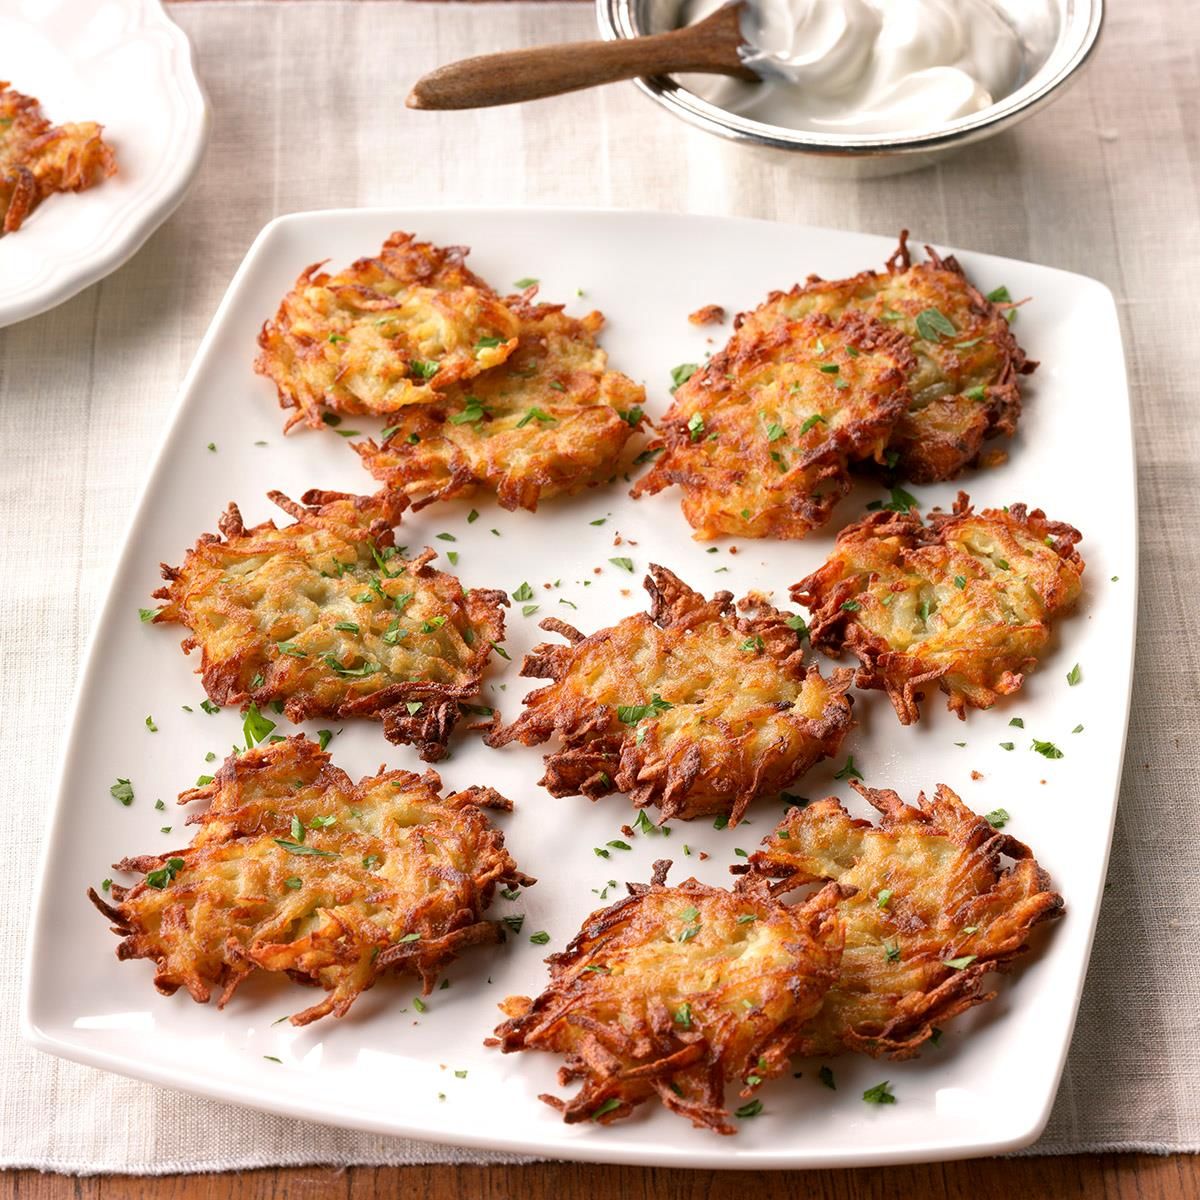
x: 709, y: 46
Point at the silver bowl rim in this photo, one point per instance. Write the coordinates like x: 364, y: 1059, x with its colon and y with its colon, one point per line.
x: 614, y: 18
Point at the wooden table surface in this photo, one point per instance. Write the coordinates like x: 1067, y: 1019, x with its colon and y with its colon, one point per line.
x: 1087, y: 1177
x: 1094, y: 1177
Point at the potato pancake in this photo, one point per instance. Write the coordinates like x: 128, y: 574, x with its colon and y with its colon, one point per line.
x: 328, y: 617
x: 674, y: 992
x: 691, y: 708
x: 38, y: 159
x: 548, y: 422
x: 386, y: 332
x: 760, y: 439
x: 928, y: 905
x: 964, y: 601
x: 297, y: 869
x: 965, y: 360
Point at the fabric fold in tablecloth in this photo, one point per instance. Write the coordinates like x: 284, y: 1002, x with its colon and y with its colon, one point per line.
x: 308, y: 112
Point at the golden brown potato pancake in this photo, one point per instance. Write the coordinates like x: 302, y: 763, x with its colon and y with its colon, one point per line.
x: 675, y: 991
x: 386, y: 332
x: 964, y: 601
x: 549, y: 421
x: 330, y: 618
x: 691, y: 708
x: 38, y: 159
x: 965, y: 360
x: 297, y: 869
x: 761, y: 438
x: 928, y: 905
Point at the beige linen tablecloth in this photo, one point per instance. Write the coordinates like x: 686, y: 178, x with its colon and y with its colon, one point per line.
x: 308, y: 112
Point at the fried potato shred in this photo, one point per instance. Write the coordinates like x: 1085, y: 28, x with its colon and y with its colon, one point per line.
x: 330, y: 618
x: 965, y: 362
x: 760, y: 439
x: 549, y: 421
x: 964, y: 601
x: 38, y: 159
x: 384, y: 333
x: 297, y: 869
x: 691, y: 708
x: 674, y: 992
x: 929, y: 908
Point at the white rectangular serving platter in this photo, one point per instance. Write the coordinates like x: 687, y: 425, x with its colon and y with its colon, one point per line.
x: 390, y: 1068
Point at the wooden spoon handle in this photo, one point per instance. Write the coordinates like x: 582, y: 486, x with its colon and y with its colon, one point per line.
x: 512, y: 76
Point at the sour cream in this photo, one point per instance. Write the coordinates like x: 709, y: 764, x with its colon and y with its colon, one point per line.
x: 866, y: 66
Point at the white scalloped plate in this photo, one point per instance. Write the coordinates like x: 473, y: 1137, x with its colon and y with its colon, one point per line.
x: 125, y: 64
x: 987, y: 1087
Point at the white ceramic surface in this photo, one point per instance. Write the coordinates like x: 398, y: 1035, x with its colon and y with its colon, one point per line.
x: 386, y: 1067
x: 125, y: 64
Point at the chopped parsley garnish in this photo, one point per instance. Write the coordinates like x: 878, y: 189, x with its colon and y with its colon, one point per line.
x: 165, y: 874
x: 809, y: 422
x: 829, y: 368
x: 500, y: 650
x: 359, y: 672
x: 979, y: 392
x: 122, y: 792
x: 626, y: 564
x: 881, y: 1093
x: 290, y: 649
x: 960, y: 582
x: 256, y: 727
x: 900, y: 501
x: 536, y: 414
x: 752, y: 643
x: 540, y: 938
x: 150, y: 725
x: 682, y: 373
x: 209, y: 707
x: 607, y: 1107
x: 750, y: 1109
x: 488, y: 343
x: 631, y: 714
x: 683, y: 1016
x: 1077, y: 729
x: 933, y: 325
x: 631, y: 416
x: 695, y: 426
x: 797, y: 623
x: 148, y: 614
x: 997, y: 818
x: 1006, y: 745
x: 524, y: 592
x: 1000, y: 295
x: 891, y: 951
x: 849, y: 771
x: 960, y: 963
x: 300, y: 848
x: 471, y: 413
x: 775, y: 431
x: 1046, y: 749
x: 825, y: 1075
x: 850, y: 606
x: 527, y: 282
x: 1074, y: 675
x: 885, y: 895
x: 513, y: 922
